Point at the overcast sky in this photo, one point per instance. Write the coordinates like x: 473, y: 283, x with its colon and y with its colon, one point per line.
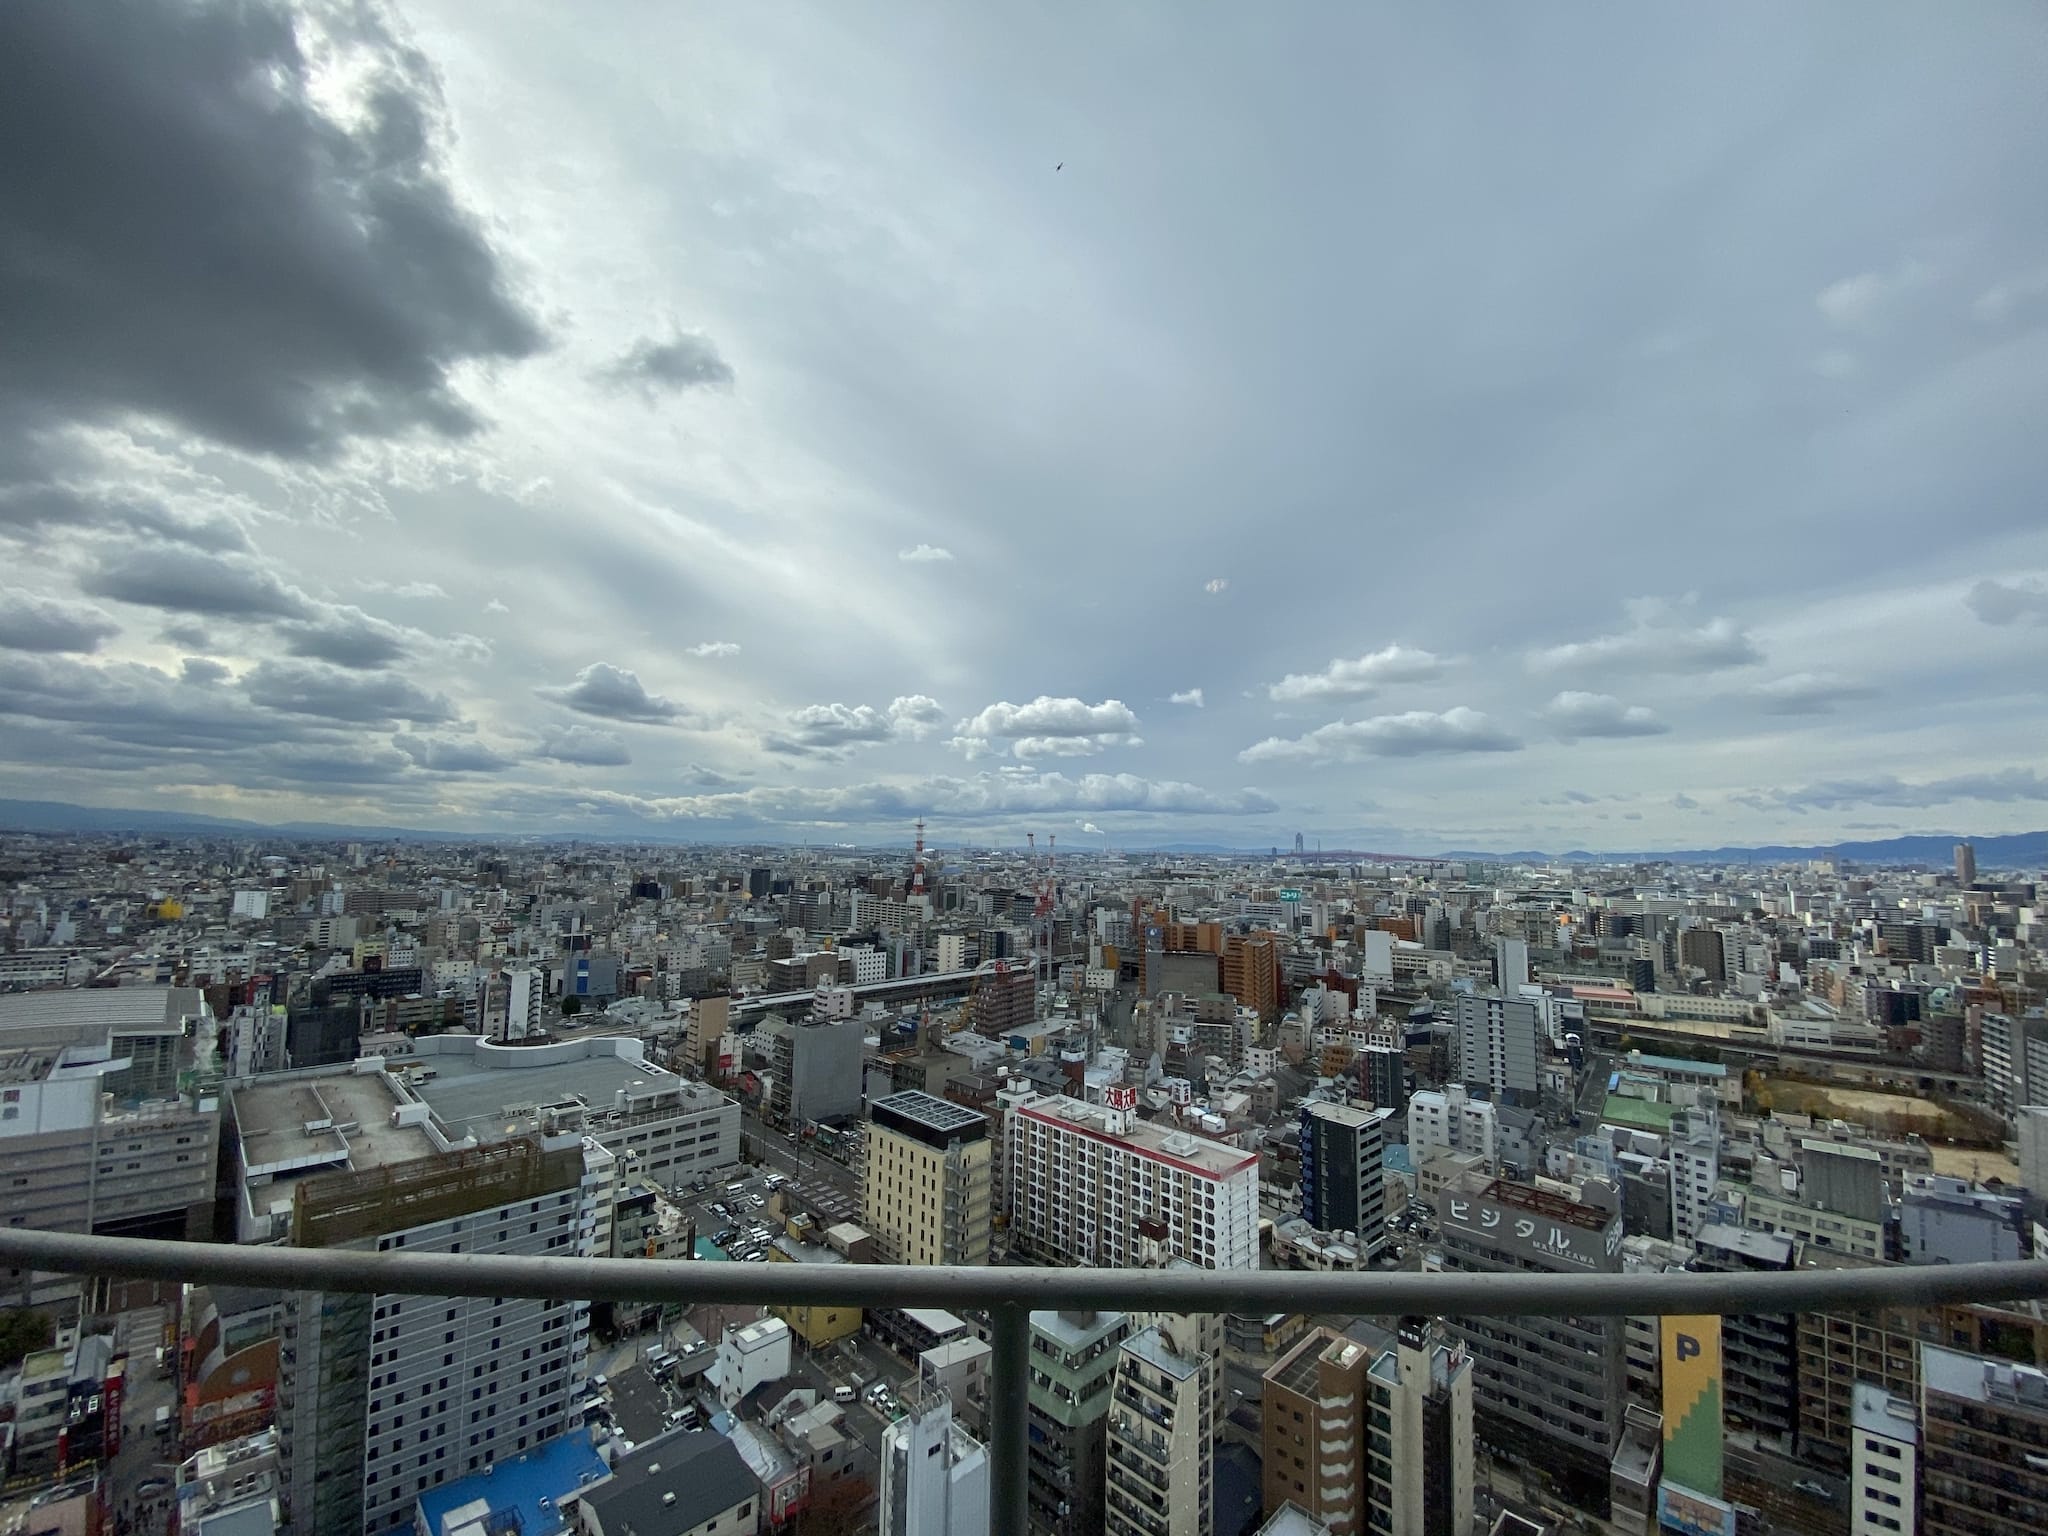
x: 1409, y: 426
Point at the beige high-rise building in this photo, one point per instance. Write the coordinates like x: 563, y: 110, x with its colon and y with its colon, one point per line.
x: 1161, y: 1471
x: 927, y: 1186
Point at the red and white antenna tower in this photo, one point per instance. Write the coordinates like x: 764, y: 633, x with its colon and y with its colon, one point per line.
x: 917, y: 867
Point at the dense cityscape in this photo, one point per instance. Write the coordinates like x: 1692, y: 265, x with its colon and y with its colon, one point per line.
x: 1056, y: 770
x: 679, y: 1055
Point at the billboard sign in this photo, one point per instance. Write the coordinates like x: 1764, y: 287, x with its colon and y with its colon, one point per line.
x: 1692, y: 1403
x: 1290, y: 894
x: 1553, y: 1240
x: 1681, y: 1512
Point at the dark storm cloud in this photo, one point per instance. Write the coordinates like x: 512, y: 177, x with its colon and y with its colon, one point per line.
x: 32, y: 623
x: 329, y: 693
x: 684, y: 361
x: 185, y: 234
x: 182, y: 580
x: 129, y: 705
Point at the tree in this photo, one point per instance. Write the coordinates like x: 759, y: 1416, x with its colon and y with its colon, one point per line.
x: 571, y: 1006
x: 22, y: 1333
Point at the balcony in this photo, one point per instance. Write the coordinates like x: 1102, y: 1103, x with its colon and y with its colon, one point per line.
x: 1010, y: 1295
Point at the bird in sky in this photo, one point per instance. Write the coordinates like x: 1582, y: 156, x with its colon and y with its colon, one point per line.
x: 1061, y: 166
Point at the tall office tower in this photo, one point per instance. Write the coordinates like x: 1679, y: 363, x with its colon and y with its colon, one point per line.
x: 522, y: 1003
x: 1093, y: 1184
x: 1073, y: 1366
x: 1759, y: 1354
x: 935, y: 1476
x: 1695, y: 1168
x: 814, y: 1068
x: 1510, y: 964
x: 2015, y: 1060
x: 1421, y: 1462
x: 1313, y: 1431
x: 1550, y: 1388
x: 1161, y: 1460
x: 1983, y: 1445
x: 758, y: 879
x: 1343, y: 1186
x: 381, y: 1398
x: 926, y: 1184
x: 1251, y: 972
x: 1884, y: 1475
x: 1383, y: 1077
x: 1966, y: 863
x: 1497, y: 1046
x: 1704, y: 949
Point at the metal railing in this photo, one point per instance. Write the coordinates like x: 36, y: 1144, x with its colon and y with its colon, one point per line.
x: 1011, y: 1295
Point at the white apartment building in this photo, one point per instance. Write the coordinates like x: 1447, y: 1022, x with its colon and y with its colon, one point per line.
x: 950, y: 951
x: 1695, y: 1168
x: 935, y: 1476
x: 523, y: 993
x: 1161, y: 1459
x: 1451, y: 1120
x: 1884, y: 1455
x: 251, y: 905
x: 1093, y: 1184
x: 1419, y: 1440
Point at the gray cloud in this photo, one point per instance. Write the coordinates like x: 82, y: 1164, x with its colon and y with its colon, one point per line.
x: 2009, y: 602
x: 203, y: 669
x: 613, y: 693
x: 349, y: 637
x: 1572, y: 715
x: 1417, y: 733
x: 182, y: 580
x: 1359, y: 677
x: 585, y: 745
x: 34, y: 508
x: 685, y: 361
x: 361, y: 698
x: 2002, y: 786
x: 30, y: 622
x: 1660, y: 638
x: 1807, y: 693
x: 450, y: 754
x: 206, y: 245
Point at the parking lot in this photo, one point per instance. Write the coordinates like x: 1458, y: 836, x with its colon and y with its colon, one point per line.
x: 733, y: 1214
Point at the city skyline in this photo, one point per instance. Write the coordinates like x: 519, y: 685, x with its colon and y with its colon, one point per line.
x: 1414, y: 432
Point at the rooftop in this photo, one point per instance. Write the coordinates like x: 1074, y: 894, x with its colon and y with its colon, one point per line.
x: 126, y: 1009
x: 1197, y: 1154
x: 1983, y: 1381
x: 929, y: 1119
x: 328, y: 1117
x: 500, y: 1091
x: 531, y: 1486
x: 1874, y: 1411
x: 1151, y: 1347
x: 1069, y: 1331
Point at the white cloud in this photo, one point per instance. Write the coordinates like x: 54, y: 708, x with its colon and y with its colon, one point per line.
x: 832, y: 728
x: 1216, y: 584
x: 1997, y: 786
x: 1417, y: 733
x: 923, y: 554
x: 1573, y: 715
x: 2001, y: 299
x: 1659, y: 638
x: 495, y: 606
x: 1187, y: 696
x: 422, y: 590
x: 1048, y: 727
x: 1857, y: 303
x: 716, y: 648
x: 1359, y: 677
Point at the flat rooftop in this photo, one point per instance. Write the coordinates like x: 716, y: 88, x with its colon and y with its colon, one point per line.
x: 929, y: 1118
x: 1151, y: 1347
x: 1197, y: 1154
x: 126, y: 1009
x: 470, y: 1098
x: 349, y: 1115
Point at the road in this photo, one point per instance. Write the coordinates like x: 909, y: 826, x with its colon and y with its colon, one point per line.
x: 787, y: 1155
x: 145, y: 1462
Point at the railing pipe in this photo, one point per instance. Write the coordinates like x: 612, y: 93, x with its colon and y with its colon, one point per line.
x: 1008, y: 1421
x: 1370, y: 1294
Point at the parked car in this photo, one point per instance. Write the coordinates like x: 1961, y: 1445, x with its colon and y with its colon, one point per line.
x: 1814, y: 1490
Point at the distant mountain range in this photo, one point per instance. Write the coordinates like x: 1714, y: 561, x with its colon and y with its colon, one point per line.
x: 2018, y: 850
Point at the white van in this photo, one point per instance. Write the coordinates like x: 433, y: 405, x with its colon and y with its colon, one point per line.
x: 842, y: 1394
